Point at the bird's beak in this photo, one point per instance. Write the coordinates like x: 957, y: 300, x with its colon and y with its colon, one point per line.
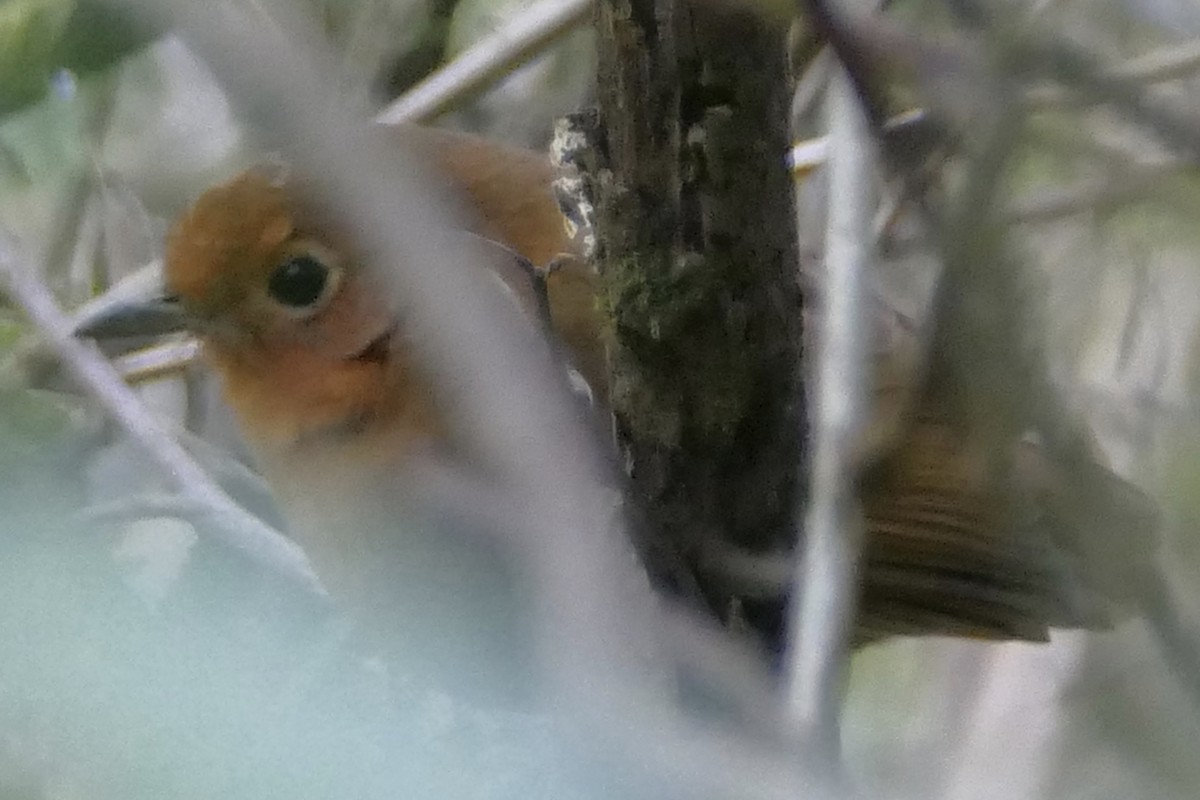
x: 130, y: 321
x: 136, y: 307
x: 152, y: 317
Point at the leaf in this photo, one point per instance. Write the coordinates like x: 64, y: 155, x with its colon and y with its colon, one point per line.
x: 39, y: 39
x: 29, y: 33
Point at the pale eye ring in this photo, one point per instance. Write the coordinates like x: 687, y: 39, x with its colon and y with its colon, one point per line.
x: 303, y: 282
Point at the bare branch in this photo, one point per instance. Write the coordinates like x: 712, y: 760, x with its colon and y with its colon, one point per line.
x: 153, y: 363
x: 1093, y: 195
x: 231, y: 523
x: 1158, y: 66
x: 524, y: 36
x: 822, y: 611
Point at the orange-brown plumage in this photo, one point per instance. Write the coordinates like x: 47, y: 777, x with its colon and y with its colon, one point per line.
x: 291, y: 374
x: 325, y: 390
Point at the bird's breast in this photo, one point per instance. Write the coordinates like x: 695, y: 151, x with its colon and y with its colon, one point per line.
x: 439, y: 600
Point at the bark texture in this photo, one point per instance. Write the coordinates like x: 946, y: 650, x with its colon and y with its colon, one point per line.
x: 697, y: 256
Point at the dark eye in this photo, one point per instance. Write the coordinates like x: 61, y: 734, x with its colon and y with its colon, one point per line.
x: 299, y: 282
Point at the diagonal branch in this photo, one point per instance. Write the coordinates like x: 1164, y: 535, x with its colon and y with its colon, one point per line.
x: 231, y: 523
x: 821, y: 616
x: 521, y: 39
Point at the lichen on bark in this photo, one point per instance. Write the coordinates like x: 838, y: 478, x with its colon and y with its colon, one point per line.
x: 697, y: 259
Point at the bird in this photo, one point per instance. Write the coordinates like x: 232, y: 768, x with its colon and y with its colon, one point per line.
x: 335, y: 406
x: 332, y: 403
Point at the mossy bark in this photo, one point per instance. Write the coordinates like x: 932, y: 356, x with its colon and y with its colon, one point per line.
x: 697, y: 254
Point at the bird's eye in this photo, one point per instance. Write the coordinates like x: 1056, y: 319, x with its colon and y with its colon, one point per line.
x: 301, y: 282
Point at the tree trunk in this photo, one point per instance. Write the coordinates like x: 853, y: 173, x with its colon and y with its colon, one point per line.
x: 696, y: 241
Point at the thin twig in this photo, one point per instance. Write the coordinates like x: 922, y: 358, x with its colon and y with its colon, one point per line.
x: 162, y: 360
x: 942, y: 69
x: 1047, y: 206
x: 144, y: 506
x: 231, y: 523
x: 520, y: 39
x: 1175, y: 635
x: 821, y: 615
x: 1158, y: 66
x: 1091, y: 196
x: 1044, y: 54
x: 1165, y: 64
x: 810, y: 86
x: 76, y: 234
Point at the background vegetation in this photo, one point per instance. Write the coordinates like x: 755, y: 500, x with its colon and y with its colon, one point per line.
x: 138, y: 659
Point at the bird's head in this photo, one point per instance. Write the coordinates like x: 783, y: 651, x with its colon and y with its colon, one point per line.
x: 304, y: 343
x: 284, y: 299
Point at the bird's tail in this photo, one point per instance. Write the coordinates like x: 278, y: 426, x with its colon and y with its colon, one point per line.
x: 952, y: 550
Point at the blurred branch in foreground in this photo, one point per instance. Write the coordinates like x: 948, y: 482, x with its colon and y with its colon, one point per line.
x: 240, y: 529
x: 821, y: 619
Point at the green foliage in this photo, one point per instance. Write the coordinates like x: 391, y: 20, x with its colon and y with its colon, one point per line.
x: 98, y: 36
x: 31, y: 423
x: 29, y: 33
x: 38, y: 38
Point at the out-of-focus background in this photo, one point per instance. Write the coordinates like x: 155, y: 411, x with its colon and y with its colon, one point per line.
x: 108, y: 130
